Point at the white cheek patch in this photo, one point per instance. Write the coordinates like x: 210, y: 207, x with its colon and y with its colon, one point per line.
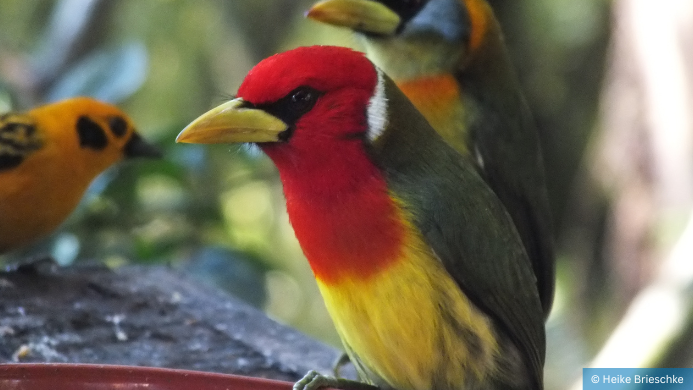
x: 377, y: 110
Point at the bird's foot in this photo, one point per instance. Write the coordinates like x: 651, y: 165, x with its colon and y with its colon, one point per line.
x: 314, y: 381
x: 339, y: 363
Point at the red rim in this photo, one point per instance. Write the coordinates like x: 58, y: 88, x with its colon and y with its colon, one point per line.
x: 45, y: 376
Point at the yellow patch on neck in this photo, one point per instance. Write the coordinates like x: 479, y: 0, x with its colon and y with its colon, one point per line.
x: 438, y: 99
x: 411, y: 325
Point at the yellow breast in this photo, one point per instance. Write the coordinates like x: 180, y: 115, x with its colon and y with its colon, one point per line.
x: 411, y: 325
x: 38, y: 195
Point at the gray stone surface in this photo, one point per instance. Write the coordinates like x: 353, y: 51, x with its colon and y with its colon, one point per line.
x: 150, y: 316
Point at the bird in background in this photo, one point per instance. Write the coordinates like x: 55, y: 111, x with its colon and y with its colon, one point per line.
x: 49, y: 156
x: 420, y: 266
x: 449, y: 58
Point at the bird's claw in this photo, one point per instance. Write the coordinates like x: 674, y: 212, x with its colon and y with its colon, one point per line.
x: 313, y: 380
x: 339, y: 363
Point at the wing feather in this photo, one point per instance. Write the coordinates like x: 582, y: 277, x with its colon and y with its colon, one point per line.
x: 466, y: 225
x: 18, y: 139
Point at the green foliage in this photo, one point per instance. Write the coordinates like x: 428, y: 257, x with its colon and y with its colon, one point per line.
x: 216, y: 213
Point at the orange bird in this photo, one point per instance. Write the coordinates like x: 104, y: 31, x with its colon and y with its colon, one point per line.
x: 48, y: 157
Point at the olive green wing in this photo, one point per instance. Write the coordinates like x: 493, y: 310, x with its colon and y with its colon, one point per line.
x: 505, y: 142
x: 467, y: 227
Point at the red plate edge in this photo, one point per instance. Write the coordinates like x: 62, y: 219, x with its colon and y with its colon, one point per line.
x: 64, y: 376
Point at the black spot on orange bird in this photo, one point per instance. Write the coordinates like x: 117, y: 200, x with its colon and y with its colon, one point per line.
x: 16, y: 140
x: 91, y: 135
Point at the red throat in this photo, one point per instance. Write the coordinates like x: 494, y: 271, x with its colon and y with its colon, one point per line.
x: 343, y: 216
x: 337, y: 199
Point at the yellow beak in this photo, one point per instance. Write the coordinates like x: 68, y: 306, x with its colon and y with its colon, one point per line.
x: 360, y: 15
x: 232, y: 123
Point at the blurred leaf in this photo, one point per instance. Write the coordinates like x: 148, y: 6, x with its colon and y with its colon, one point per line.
x: 109, y: 75
x: 6, y: 97
x: 71, y: 25
x: 237, y: 272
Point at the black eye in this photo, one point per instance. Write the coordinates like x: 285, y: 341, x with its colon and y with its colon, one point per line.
x: 292, y: 107
x: 118, y: 126
x: 302, y: 100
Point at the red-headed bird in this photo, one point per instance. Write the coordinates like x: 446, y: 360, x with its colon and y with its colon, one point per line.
x: 48, y: 157
x: 420, y: 267
x: 449, y: 58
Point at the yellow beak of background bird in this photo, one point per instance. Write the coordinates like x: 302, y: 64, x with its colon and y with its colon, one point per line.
x: 362, y: 15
